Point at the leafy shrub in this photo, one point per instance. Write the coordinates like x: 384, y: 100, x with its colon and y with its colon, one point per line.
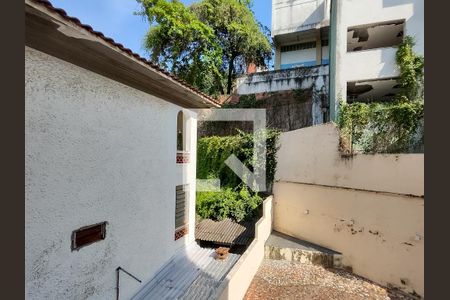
x: 239, y: 205
x: 381, y: 127
x: 234, y: 200
x: 213, y: 151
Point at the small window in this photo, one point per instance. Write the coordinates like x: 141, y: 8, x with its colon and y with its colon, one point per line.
x: 180, y: 132
x: 182, y: 139
x: 297, y: 47
x: 87, y: 235
x: 181, y: 210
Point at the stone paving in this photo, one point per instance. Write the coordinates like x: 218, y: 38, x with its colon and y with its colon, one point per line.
x: 277, y: 279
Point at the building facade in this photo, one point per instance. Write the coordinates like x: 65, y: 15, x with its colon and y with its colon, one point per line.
x: 110, y: 160
x: 357, y: 38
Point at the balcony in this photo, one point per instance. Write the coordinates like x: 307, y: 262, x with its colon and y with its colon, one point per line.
x: 283, y: 80
x: 370, y: 64
x: 299, y: 15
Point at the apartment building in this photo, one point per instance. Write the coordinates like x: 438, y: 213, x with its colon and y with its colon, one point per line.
x: 358, y: 39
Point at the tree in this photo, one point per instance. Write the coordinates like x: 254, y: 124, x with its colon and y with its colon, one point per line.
x: 208, y: 43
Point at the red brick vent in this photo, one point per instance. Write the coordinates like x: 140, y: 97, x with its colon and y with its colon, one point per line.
x: 180, y: 233
x: 183, y: 157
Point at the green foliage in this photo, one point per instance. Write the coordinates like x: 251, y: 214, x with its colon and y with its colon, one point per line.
x: 393, y: 127
x: 411, y: 69
x: 207, y: 43
x: 234, y: 200
x: 238, y: 204
x: 213, y: 151
x: 381, y: 127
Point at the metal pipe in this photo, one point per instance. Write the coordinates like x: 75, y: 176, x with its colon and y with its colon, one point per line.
x: 118, y: 269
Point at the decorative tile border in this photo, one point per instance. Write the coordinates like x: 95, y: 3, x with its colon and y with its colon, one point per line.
x: 179, y: 233
x: 183, y: 157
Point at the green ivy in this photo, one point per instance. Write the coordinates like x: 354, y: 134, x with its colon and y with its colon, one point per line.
x: 381, y: 127
x: 213, y: 151
x: 388, y: 127
x: 411, y: 68
x: 234, y: 200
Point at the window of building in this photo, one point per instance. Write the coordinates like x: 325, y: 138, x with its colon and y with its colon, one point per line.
x: 182, y: 139
x: 372, y: 36
x: 181, y: 210
x: 87, y: 235
x: 300, y: 46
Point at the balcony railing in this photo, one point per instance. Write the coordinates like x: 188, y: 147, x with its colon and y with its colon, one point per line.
x: 283, y: 80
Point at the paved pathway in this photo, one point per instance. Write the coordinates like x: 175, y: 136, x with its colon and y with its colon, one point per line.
x: 277, y: 279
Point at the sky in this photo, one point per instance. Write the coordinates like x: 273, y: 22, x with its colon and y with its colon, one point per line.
x: 115, y: 18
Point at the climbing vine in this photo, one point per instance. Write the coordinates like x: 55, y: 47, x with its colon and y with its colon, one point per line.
x: 234, y: 200
x: 382, y: 127
x: 411, y: 68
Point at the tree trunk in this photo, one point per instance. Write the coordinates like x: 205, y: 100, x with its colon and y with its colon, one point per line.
x: 230, y: 74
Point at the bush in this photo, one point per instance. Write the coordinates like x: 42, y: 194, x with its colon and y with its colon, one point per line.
x: 213, y: 151
x: 239, y: 205
x: 382, y: 127
x: 234, y: 200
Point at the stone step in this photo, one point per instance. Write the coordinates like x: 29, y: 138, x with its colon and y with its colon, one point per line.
x: 284, y: 247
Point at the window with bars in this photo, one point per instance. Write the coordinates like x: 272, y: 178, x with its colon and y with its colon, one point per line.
x: 302, y: 46
x: 181, y: 210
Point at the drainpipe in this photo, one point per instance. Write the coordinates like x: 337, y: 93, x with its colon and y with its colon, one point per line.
x: 333, y: 55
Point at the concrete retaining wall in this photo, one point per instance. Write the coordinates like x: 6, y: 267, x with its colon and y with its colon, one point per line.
x: 368, y: 207
x: 238, y: 280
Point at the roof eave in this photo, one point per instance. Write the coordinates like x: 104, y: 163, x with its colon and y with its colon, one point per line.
x: 51, y: 31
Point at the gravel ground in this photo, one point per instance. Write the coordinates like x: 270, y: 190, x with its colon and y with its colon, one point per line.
x: 277, y: 279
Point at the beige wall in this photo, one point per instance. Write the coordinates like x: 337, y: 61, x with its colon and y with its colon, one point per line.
x: 311, y: 155
x: 368, y: 207
x: 238, y: 280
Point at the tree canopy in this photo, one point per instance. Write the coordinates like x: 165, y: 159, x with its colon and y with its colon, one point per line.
x: 207, y: 43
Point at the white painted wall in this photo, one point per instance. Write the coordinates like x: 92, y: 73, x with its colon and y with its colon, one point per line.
x: 374, y: 63
x: 238, y: 280
x: 97, y: 150
x: 297, y: 15
x: 283, y: 80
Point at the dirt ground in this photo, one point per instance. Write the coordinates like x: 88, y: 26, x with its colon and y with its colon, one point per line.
x: 278, y: 279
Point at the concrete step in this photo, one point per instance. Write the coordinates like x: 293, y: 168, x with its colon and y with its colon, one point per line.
x: 283, y: 247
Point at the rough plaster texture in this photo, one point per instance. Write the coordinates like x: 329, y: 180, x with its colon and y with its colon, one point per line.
x: 358, y: 206
x: 97, y: 150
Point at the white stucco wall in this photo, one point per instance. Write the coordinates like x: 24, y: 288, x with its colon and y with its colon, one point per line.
x: 297, y: 15
x: 97, y: 150
x: 373, y: 63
